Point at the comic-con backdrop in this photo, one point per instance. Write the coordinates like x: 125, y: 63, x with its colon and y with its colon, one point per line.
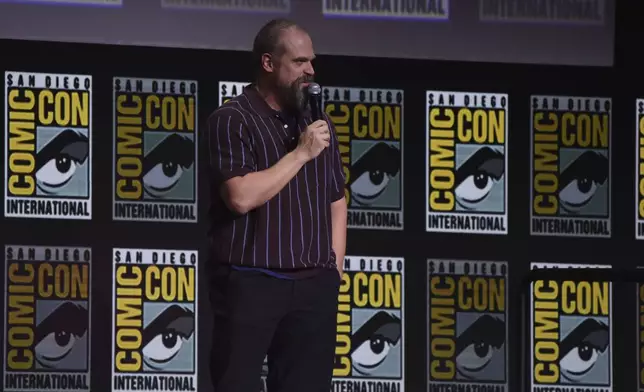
x: 460, y: 179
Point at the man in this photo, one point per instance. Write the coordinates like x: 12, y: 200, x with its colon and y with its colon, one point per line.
x: 278, y: 230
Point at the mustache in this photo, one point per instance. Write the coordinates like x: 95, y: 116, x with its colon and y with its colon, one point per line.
x: 303, y: 79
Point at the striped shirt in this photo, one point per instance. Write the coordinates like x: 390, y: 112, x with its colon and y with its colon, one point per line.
x: 292, y: 231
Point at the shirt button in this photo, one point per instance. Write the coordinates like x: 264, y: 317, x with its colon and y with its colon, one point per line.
x: 285, y: 126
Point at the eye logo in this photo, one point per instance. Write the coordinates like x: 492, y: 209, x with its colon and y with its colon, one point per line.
x: 58, y: 161
x: 164, y: 337
x: 372, y: 172
x: 571, y: 336
x: 467, y: 162
x: 370, y: 339
x: 476, y: 177
x: 228, y: 90
x: 155, y: 323
x: 369, y: 128
x: 155, y: 150
x: 47, y: 318
x: 165, y: 164
x: 373, y: 341
x: 467, y: 331
x: 570, y: 186
x: 48, y: 135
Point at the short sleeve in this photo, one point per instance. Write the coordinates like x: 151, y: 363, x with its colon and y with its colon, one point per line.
x: 229, y: 145
x: 337, y: 171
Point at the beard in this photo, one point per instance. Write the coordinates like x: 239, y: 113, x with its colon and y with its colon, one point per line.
x: 293, y: 97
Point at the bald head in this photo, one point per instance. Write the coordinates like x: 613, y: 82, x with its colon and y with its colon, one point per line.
x: 269, y: 39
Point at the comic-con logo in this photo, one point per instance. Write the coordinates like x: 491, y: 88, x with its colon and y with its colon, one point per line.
x: 467, y: 331
x: 639, y: 169
x: 467, y: 163
x: 155, y: 150
x: 154, y: 326
x: 370, y: 342
x: 47, y: 322
x: 229, y: 90
x: 48, y: 150
x: 570, y: 187
x: 369, y: 128
x: 389, y: 9
x: 570, y: 334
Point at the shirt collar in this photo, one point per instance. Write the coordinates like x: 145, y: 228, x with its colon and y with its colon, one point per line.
x: 259, y: 104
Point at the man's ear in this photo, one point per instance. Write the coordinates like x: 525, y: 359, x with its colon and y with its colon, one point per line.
x: 267, y: 62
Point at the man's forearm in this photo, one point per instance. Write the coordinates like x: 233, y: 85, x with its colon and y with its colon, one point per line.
x: 339, y: 230
x: 243, y: 194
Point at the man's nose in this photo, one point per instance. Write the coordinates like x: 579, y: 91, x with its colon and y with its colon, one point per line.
x: 309, y: 70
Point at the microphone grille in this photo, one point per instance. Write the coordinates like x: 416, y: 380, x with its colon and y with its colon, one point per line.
x: 314, y: 89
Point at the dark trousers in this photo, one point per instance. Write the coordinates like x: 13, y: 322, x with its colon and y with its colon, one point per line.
x: 293, y: 321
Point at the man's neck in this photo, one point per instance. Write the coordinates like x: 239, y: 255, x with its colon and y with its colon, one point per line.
x: 269, y: 96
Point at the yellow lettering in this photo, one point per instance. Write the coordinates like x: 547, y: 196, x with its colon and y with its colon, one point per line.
x: 170, y: 113
x: 20, y: 316
x: 129, y: 147
x: 21, y: 124
x: 376, y: 122
x: 584, y: 130
x: 340, y: 115
x: 641, y: 170
x: 481, y: 126
x: 441, y: 159
x: 63, y: 281
x: 481, y: 294
x: 170, y: 284
x: 546, y: 167
x: 377, y: 290
x: 546, y: 332
x: 342, y: 367
x: 63, y: 108
x: 585, y: 298
x: 442, y: 323
x: 129, y: 309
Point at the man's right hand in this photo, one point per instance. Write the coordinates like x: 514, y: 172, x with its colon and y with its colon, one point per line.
x: 313, y: 140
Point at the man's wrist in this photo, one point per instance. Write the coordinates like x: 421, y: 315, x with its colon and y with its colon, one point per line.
x: 299, y: 156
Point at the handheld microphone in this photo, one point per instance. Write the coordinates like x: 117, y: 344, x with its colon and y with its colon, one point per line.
x: 315, y: 101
